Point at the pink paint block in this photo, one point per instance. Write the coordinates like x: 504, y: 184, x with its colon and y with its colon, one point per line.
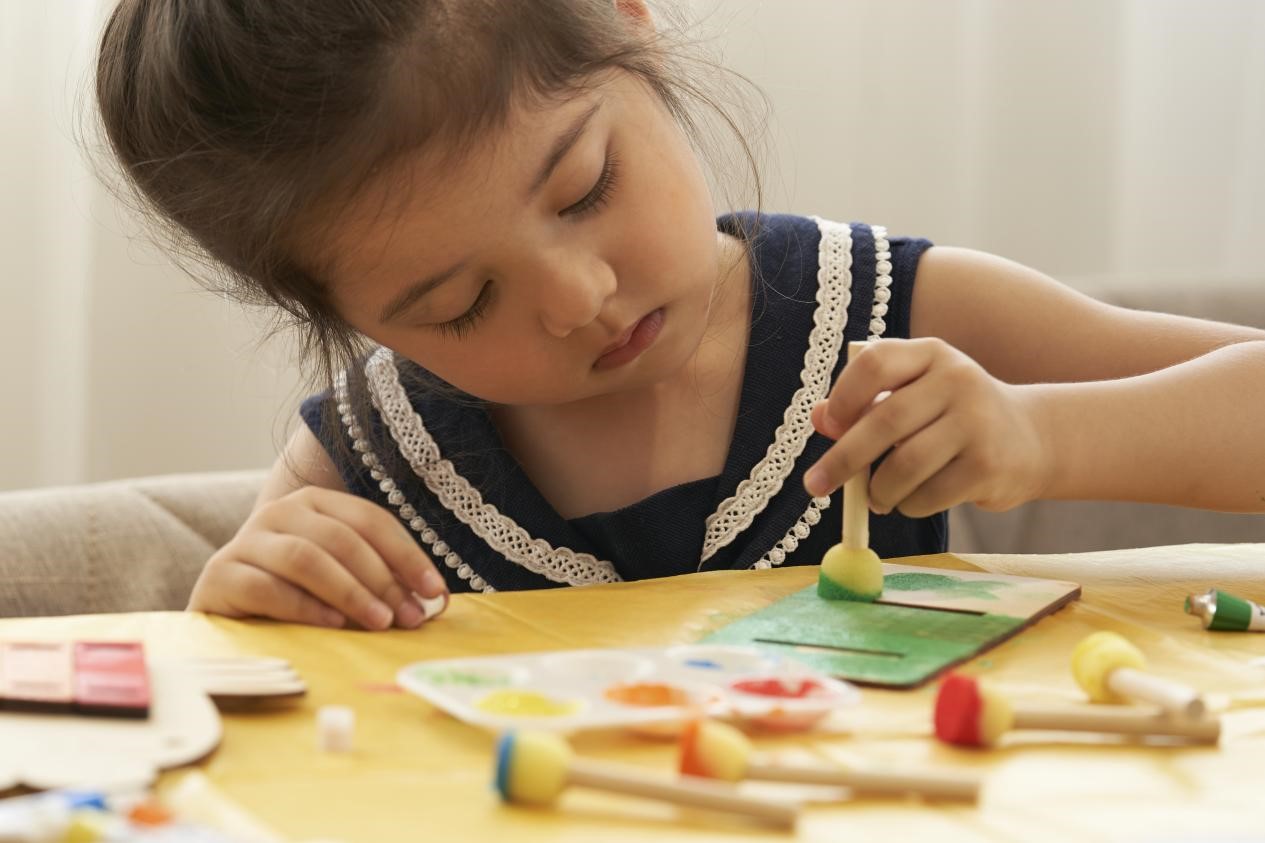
x: 36, y: 676
x: 111, y: 679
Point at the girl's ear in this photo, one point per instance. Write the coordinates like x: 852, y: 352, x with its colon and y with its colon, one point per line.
x: 636, y: 12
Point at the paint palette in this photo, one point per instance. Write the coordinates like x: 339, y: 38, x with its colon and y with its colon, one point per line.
x: 650, y: 691
x: 927, y: 620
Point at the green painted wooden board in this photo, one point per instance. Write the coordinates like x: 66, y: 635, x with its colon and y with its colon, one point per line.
x: 927, y: 620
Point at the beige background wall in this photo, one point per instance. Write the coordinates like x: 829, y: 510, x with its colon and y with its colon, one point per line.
x: 1098, y: 140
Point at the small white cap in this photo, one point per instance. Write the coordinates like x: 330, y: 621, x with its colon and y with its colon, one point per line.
x: 432, y: 606
x: 336, y: 726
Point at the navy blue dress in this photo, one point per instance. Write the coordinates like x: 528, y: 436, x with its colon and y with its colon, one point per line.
x: 433, y: 456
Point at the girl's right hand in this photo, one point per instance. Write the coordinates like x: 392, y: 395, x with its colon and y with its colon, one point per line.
x: 321, y: 557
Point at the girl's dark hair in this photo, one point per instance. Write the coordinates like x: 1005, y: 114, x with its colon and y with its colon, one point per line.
x: 242, y: 125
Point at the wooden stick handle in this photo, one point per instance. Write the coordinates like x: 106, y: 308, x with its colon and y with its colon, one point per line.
x: 1122, y: 720
x: 1173, y: 697
x: 696, y: 792
x: 856, y: 495
x: 935, y: 785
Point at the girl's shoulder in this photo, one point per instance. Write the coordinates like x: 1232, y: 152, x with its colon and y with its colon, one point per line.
x: 801, y: 262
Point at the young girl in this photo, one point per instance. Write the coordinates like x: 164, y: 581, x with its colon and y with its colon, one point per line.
x: 553, y: 364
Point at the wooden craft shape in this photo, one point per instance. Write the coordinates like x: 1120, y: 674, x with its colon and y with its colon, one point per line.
x: 44, y: 751
x: 928, y: 620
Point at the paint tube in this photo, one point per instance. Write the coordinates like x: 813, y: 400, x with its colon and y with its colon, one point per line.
x: 1221, y: 611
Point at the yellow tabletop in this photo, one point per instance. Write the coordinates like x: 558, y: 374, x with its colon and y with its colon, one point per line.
x: 416, y: 774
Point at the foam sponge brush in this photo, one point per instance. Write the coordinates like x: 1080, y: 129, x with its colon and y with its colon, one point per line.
x: 533, y: 768
x: 850, y: 570
x: 714, y: 751
x: 719, y: 751
x: 970, y: 713
x: 850, y: 573
x: 1110, y: 669
x: 1096, y: 657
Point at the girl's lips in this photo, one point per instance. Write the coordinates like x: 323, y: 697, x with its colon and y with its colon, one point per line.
x: 640, y: 337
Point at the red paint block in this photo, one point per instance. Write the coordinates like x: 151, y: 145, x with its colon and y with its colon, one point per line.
x: 111, y: 679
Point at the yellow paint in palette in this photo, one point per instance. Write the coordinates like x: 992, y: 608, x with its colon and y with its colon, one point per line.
x: 527, y: 704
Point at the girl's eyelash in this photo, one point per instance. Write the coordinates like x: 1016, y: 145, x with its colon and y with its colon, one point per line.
x: 464, y: 324
x: 601, y: 192
x: 592, y: 201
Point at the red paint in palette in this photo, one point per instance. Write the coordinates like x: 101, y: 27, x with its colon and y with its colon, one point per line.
x: 795, y: 689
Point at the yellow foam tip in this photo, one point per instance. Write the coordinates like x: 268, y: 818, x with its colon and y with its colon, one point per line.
x: 996, y: 716
x: 1096, y: 656
x: 850, y: 574
x: 535, y: 767
x: 722, y: 750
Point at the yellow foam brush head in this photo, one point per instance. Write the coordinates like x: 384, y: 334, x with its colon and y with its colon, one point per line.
x: 1096, y: 656
x: 531, y: 767
x: 996, y: 716
x: 850, y: 574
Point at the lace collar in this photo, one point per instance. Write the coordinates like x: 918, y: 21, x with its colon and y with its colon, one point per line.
x: 733, y: 515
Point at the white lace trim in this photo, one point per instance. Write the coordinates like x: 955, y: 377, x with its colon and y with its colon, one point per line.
x: 503, y: 534
x: 500, y: 532
x: 437, y: 547
x: 882, y: 295
x: 882, y: 281
x: 834, y: 294
x: 797, y: 533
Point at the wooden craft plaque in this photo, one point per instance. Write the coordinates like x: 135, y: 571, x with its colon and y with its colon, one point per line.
x: 928, y: 620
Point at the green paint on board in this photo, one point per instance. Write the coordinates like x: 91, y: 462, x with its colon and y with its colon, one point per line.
x: 943, y: 585
x: 829, y: 588
x: 873, y: 643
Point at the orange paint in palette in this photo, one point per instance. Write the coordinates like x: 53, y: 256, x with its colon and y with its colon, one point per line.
x: 96, y: 678
x: 647, y: 693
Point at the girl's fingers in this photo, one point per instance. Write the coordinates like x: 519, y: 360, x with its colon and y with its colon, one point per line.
x: 387, y: 536
x: 883, y: 366
x: 896, y: 418
x: 910, y: 465
x: 823, y: 422
x: 258, y: 593
x: 310, y: 567
x: 943, y: 490
x: 354, y: 553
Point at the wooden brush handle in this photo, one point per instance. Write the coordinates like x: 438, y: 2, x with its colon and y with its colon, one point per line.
x: 1173, y: 697
x: 696, y: 792
x: 934, y: 785
x: 1122, y: 720
x: 856, y: 495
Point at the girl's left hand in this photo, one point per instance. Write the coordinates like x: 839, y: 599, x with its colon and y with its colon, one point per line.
x: 955, y: 432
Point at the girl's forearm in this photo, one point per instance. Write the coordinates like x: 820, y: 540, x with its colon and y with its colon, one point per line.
x: 1192, y: 434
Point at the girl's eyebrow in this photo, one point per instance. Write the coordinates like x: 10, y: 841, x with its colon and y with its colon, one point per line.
x: 561, y: 147
x: 410, y: 296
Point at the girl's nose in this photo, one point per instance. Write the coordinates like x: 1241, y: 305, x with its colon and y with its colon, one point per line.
x: 572, y: 294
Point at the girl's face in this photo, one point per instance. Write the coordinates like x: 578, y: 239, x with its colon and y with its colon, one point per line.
x: 573, y: 255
